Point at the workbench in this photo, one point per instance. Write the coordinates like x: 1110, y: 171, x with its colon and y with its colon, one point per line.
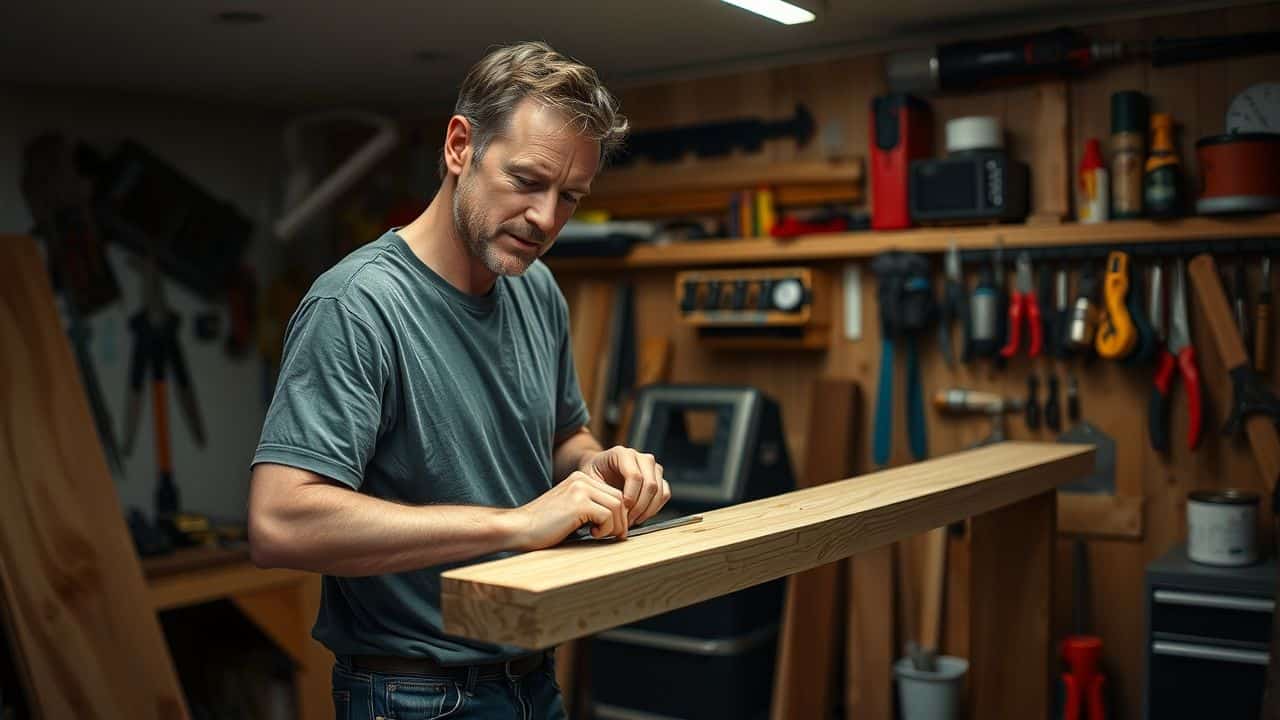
x: 281, y: 603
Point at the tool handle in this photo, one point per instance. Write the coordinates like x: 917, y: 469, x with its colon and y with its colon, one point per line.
x: 1034, y: 324
x: 1015, y: 325
x: 1262, y: 335
x: 1033, y: 403
x: 1052, y: 408
x: 917, y: 433
x: 883, y: 433
x: 957, y: 400
x: 1158, y: 410
x: 1191, y: 380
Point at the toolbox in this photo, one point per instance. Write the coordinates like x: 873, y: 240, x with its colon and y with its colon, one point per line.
x: 1208, y: 638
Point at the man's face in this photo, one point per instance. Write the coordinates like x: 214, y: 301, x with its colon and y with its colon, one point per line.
x: 510, y: 206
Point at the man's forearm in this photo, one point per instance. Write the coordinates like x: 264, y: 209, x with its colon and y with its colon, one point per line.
x: 332, y: 530
x: 572, y: 452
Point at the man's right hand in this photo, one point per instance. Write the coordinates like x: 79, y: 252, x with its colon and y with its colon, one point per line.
x: 578, y: 500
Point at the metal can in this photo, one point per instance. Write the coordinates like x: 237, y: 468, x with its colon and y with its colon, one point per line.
x: 1222, y: 527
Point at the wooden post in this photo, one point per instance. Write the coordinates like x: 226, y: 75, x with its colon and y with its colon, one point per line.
x: 1011, y: 649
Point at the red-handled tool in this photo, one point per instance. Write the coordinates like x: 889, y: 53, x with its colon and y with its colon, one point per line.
x: 1082, y: 689
x: 1023, y: 304
x: 1180, y: 355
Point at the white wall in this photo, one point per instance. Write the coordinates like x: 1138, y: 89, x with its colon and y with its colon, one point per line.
x: 234, y: 154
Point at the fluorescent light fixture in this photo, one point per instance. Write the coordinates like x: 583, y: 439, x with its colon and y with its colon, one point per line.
x: 783, y: 12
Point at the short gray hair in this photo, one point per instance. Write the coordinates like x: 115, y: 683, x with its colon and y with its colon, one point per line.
x: 510, y: 73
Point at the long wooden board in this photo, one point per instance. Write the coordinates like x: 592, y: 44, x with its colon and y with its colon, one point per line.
x: 542, y: 598
x: 86, y: 635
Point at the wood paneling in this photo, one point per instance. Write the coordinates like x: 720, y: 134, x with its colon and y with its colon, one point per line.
x: 86, y: 637
x: 538, y: 599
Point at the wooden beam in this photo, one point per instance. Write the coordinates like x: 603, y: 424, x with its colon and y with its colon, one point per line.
x: 539, y: 599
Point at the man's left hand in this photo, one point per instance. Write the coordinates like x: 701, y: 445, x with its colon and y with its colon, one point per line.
x: 638, y: 475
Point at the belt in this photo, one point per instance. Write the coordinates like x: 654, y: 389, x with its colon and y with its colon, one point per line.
x: 518, y: 667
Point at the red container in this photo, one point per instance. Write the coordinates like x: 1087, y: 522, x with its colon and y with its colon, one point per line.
x: 901, y: 131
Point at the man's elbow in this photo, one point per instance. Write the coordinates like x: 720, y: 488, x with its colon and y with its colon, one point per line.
x: 268, y: 541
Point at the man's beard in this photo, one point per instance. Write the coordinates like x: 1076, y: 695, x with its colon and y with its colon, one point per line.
x: 468, y: 222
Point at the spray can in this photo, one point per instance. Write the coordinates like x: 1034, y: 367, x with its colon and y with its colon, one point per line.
x: 1128, y: 152
x: 1094, y: 198
x: 1162, y: 181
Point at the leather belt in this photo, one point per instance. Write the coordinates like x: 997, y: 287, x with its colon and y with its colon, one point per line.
x: 518, y: 667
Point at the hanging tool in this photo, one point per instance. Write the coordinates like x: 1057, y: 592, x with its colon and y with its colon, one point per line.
x: 958, y: 401
x: 1117, y: 336
x: 156, y: 351
x: 906, y: 308
x: 953, y: 303
x: 1060, y: 340
x: 1083, y: 323
x: 1181, y: 353
x: 1103, y: 477
x: 1082, y: 688
x: 980, y: 329
x: 1023, y: 305
x: 1262, y: 322
x: 1052, y: 410
x: 1136, y: 303
x: 1155, y: 307
x: 1033, y: 402
x: 1240, y: 301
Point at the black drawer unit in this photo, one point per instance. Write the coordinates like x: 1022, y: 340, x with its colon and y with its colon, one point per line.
x: 1208, y: 636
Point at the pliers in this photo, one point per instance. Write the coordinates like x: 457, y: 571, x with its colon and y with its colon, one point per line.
x: 1023, y: 304
x: 1182, y: 354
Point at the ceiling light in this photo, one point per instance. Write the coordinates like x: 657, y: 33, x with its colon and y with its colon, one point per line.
x: 783, y: 12
x: 240, y: 17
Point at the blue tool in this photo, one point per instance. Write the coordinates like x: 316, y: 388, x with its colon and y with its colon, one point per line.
x: 907, y: 307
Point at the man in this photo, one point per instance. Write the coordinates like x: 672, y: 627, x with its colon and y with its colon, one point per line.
x: 428, y: 413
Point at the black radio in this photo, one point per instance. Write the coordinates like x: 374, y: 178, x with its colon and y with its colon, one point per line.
x: 974, y: 186
x: 977, y: 181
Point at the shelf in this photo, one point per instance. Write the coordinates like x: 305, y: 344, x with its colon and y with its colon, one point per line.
x: 846, y: 246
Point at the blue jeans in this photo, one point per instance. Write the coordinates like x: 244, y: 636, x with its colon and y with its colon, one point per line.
x: 360, y: 695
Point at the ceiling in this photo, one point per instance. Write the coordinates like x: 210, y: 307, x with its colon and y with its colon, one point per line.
x: 406, y: 54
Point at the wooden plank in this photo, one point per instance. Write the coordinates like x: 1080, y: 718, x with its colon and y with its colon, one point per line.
x: 806, y: 650
x: 1111, y: 516
x: 1011, y: 648
x: 841, y: 246
x: 872, y: 642
x: 1050, y: 153
x: 77, y: 611
x: 542, y: 598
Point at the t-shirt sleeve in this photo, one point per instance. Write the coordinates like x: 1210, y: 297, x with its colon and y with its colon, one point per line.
x: 571, y: 411
x: 327, y: 410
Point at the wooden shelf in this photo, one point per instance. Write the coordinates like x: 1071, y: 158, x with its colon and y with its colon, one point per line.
x: 842, y: 246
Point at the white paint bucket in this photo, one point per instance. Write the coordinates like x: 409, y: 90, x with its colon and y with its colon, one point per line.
x: 1222, y: 527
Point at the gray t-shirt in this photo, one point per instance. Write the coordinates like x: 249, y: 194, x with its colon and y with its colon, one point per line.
x: 400, y: 386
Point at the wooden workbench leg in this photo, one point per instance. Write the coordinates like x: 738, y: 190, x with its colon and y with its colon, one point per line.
x: 313, y: 678
x: 871, y: 640
x: 1011, y: 651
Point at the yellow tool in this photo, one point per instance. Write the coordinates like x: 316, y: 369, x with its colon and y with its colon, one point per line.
x: 1117, y: 335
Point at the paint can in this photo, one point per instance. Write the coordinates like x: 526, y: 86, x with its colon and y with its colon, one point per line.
x: 1222, y: 527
